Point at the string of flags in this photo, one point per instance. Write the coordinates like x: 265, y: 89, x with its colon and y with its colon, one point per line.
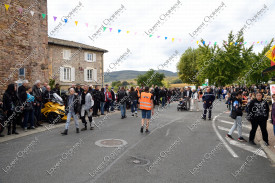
x: 20, y: 10
x: 43, y: 15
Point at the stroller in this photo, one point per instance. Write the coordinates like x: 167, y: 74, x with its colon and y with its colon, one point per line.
x: 183, y: 105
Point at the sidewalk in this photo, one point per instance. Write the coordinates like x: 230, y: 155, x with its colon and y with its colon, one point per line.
x: 46, y: 127
x: 270, y: 150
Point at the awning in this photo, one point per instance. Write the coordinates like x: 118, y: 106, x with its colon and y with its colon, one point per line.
x: 270, y: 69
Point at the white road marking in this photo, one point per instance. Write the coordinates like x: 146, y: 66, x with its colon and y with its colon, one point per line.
x: 247, y: 147
x: 227, y: 129
x: 167, y: 133
x: 229, y: 122
x: 222, y: 140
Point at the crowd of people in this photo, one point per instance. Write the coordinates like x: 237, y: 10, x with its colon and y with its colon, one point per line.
x: 253, y: 100
x: 22, y: 106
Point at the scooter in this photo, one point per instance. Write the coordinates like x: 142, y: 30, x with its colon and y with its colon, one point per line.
x: 54, y: 110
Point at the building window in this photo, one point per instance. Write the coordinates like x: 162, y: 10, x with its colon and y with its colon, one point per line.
x: 67, y: 74
x: 90, y: 57
x: 89, y: 74
x: 66, y: 54
x: 22, y: 72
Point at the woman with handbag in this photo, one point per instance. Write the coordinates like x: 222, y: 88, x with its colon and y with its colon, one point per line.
x: 236, y: 114
x: 29, y: 110
x: 9, y: 103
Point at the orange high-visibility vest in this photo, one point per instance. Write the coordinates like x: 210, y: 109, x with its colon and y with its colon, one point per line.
x: 138, y: 93
x: 145, y: 101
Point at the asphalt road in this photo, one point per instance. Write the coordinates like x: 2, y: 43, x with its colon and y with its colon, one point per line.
x: 181, y: 147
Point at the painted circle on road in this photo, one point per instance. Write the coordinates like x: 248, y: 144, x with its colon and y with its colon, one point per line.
x: 110, y: 143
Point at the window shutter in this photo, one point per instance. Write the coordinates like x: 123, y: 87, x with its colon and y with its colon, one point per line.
x: 85, y: 75
x: 94, y: 57
x: 73, y: 74
x: 64, y: 54
x: 61, y: 73
x: 95, y: 75
x: 86, y: 56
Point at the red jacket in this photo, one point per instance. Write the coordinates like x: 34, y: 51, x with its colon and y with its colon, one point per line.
x: 108, y: 95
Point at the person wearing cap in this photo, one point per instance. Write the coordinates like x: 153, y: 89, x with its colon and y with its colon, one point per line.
x: 78, y: 89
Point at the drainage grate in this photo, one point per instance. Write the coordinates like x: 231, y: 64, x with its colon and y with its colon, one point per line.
x: 111, y: 143
x: 137, y: 161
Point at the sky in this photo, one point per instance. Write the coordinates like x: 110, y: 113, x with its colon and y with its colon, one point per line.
x: 178, y: 19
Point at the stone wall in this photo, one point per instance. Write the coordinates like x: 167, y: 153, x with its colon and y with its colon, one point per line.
x: 23, y: 41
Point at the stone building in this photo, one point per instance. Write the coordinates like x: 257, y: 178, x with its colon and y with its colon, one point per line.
x: 71, y: 62
x: 23, y: 41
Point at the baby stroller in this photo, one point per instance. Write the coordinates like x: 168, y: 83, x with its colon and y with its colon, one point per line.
x: 183, y: 105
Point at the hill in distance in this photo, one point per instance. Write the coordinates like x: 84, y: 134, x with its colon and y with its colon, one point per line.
x: 131, y: 74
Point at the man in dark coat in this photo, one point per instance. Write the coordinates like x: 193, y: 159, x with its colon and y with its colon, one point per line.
x: 208, y: 99
x: 37, y: 93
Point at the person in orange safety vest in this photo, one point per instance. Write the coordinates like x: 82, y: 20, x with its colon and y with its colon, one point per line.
x: 147, y: 107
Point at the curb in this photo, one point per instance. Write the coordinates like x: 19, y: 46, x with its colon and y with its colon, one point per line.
x: 23, y: 134
x: 41, y: 129
x: 269, y: 153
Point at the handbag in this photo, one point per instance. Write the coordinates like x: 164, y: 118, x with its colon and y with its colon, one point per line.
x: 233, y: 114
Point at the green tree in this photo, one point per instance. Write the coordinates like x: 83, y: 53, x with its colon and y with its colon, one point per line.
x: 187, y: 66
x: 116, y: 83
x: 125, y: 83
x: 252, y: 74
x: 52, y: 83
x: 151, y: 77
x: 176, y: 81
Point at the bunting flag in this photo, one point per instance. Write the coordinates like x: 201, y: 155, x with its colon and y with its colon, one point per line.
x: 20, y: 10
x: 7, y: 6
